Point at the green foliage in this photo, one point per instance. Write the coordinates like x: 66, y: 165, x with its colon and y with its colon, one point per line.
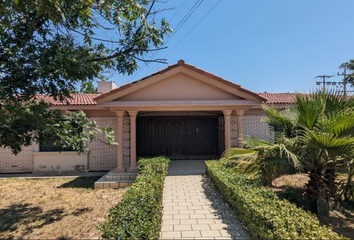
x: 321, y: 125
x: 349, y: 65
x: 139, y: 214
x: 74, y: 130
x: 239, y: 154
x: 88, y: 87
x: 263, y: 160
x: 50, y: 47
x: 262, y: 212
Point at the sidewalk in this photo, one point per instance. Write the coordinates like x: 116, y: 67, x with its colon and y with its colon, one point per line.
x: 51, y: 175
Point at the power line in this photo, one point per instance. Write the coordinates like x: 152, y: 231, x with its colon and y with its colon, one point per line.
x: 323, y: 81
x: 185, y: 18
x: 179, y: 25
x: 190, y: 30
x: 194, y: 27
x: 176, y: 12
x: 344, y: 74
x: 305, y: 83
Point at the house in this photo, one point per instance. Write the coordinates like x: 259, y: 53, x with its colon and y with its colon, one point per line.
x: 181, y: 112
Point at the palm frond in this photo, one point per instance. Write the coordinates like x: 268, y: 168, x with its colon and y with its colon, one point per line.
x: 281, y: 149
x: 340, y: 123
x: 336, y: 101
x: 240, y: 154
x: 249, y: 168
x: 309, y: 108
x: 279, y: 119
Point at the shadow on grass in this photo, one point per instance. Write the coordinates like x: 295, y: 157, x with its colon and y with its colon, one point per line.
x: 344, y: 224
x: 341, y: 225
x: 26, y: 218
x: 81, y: 182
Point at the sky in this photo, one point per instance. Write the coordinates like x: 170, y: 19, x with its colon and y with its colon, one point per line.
x: 273, y: 45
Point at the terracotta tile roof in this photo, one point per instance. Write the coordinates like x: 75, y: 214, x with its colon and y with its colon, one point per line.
x: 88, y: 99
x: 193, y: 68
x: 279, y: 98
x: 77, y: 99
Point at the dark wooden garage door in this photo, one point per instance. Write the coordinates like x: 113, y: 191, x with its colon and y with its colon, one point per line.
x: 178, y: 137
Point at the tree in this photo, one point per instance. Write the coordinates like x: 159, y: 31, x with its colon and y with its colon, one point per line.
x: 264, y: 160
x: 323, y: 127
x: 49, y: 46
x: 88, y: 87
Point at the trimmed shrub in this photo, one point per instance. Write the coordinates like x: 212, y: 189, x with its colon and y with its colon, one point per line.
x: 139, y: 214
x: 262, y: 212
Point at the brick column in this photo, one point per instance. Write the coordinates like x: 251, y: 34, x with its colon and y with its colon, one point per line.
x: 119, y: 133
x: 239, y: 114
x: 133, y: 167
x: 227, y: 127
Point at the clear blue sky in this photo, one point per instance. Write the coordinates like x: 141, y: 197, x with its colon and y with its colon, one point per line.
x: 263, y: 45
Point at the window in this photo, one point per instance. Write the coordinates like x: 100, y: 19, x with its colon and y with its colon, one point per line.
x: 50, y: 147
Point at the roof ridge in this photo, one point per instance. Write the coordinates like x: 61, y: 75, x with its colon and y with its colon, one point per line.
x: 182, y: 63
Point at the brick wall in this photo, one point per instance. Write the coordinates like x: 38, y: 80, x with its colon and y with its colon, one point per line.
x: 102, y: 158
x: 254, y: 126
x: 10, y: 163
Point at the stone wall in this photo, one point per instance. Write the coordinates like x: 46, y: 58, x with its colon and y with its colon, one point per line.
x: 233, y: 133
x: 23, y: 162
x: 126, y: 141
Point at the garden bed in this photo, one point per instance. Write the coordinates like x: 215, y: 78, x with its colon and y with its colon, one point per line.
x: 261, y: 211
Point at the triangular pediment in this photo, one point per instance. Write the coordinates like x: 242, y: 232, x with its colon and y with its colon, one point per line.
x: 180, y: 82
x: 179, y: 87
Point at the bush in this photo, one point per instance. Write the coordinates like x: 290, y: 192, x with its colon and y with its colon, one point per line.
x: 139, y: 214
x: 262, y: 212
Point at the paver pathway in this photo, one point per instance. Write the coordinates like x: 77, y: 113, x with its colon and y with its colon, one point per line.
x: 193, y: 207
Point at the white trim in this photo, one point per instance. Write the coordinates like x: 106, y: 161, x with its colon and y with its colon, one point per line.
x: 60, y: 153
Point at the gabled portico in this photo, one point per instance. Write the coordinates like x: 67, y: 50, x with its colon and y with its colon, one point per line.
x: 178, y: 98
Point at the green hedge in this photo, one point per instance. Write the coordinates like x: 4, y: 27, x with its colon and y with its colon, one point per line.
x: 262, y: 212
x: 139, y: 214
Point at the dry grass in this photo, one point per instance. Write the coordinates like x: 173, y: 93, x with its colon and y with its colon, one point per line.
x: 56, y: 208
x: 295, y: 181
x: 341, y: 217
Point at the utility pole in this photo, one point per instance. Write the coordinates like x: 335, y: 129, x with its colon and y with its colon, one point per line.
x: 344, y: 74
x: 324, y: 81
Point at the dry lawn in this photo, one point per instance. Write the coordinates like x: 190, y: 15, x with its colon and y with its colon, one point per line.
x: 341, y: 217
x: 55, y: 208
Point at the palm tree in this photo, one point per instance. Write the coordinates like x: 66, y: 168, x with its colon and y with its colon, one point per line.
x: 322, y: 125
x: 263, y: 160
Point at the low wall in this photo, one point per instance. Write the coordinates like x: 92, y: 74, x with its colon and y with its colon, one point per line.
x: 20, y: 163
x: 59, y: 162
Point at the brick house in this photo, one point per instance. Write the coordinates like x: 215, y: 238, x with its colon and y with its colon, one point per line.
x: 181, y: 112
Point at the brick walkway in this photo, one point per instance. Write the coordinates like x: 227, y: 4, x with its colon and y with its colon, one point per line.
x: 193, y: 207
